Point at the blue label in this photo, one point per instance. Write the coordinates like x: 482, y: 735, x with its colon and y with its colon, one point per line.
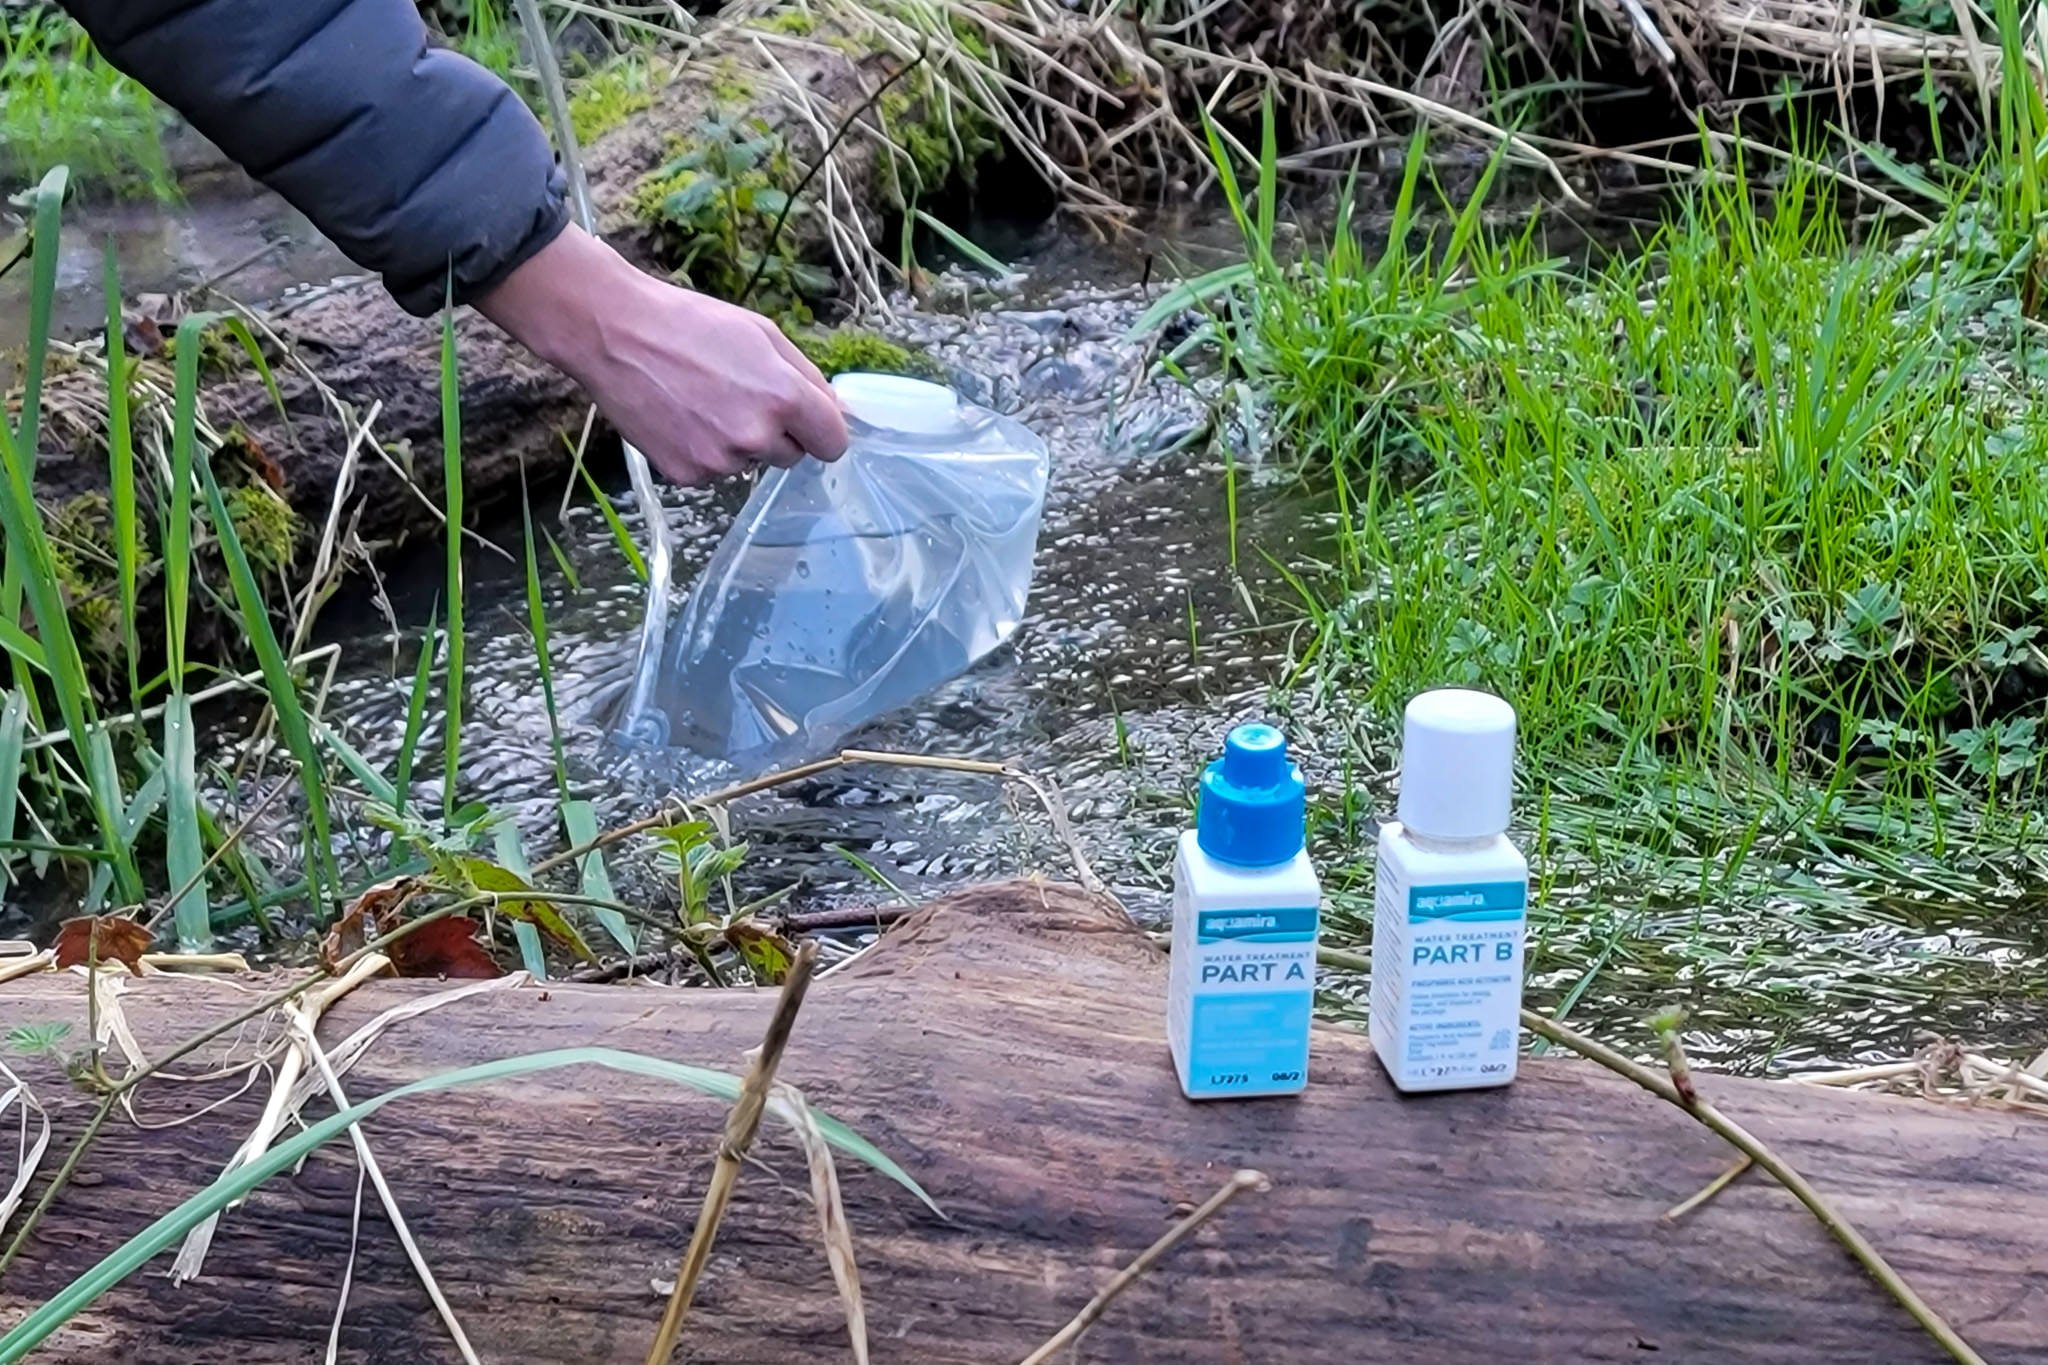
x: 1256, y: 926
x: 1469, y: 903
x: 1249, y: 1043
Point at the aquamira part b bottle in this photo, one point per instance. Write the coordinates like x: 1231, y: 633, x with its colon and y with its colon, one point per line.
x: 1246, y: 908
x: 1451, y: 901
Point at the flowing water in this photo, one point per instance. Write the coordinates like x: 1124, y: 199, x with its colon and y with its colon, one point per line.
x: 1142, y: 644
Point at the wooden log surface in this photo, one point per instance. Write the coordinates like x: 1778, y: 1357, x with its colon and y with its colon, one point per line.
x: 1006, y: 1045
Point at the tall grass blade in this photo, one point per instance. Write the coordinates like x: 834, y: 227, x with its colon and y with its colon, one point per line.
x: 562, y: 560
x: 416, y: 711
x: 22, y: 646
x: 134, y: 818
x: 168, y: 1230
x: 579, y: 823
x: 451, y: 474
x: 49, y: 197
x: 962, y: 244
x: 277, y: 680
x: 537, y: 621
x: 29, y: 549
x: 121, y: 474
x: 183, y: 852
x: 1190, y: 294
x: 620, y: 534
x: 13, y: 729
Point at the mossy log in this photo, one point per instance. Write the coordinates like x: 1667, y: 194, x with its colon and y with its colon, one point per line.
x: 515, y: 410
x: 1006, y: 1045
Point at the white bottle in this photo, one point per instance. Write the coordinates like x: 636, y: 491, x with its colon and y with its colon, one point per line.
x: 1450, y: 908
x: 1246, y: 909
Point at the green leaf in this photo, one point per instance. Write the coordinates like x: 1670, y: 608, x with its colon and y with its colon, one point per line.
x: 692, y: 199
x: 32, y: 567
x: 23, y: 646
x: 531, y: 903
x: 166, y: 1231
x: 380, y: 787
x: 178, y: 526
x: 49, y: 197
x: 579, y: 823
x: 13, y: 729
x: 512, y: 856
x: 36, y: 1040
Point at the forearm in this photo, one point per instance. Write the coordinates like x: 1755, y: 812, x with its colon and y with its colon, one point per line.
x: 416, y: 162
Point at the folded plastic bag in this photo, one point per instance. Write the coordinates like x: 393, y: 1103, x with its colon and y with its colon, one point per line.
x: 845, y: 591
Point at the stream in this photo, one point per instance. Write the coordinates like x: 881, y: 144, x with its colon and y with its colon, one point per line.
x: 1141, y: 646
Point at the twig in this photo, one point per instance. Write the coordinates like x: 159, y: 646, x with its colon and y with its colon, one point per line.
x: 1714, y: 1187
x: 1750, y: 1146
x: 856, y: 917
x: 1150, y: 1256
x: 839, y: 135
x: 740, y: 1127
x: 638, y: 965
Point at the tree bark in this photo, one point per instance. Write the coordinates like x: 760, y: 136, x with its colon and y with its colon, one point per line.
x: 1006, y: 1046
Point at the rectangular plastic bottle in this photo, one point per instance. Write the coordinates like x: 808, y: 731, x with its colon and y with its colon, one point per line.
x: 1450, y: 903
x: 1246, y: 911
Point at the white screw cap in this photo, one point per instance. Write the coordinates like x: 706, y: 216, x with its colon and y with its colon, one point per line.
x: 1457, y: 764
x: 893, y: 402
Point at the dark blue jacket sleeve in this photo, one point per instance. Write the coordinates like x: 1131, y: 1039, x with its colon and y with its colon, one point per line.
x: 414, y: 160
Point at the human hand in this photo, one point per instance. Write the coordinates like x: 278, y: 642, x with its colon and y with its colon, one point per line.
x: 701, y: 388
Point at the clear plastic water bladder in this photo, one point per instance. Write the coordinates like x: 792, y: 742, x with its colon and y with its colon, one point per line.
x: 847, y: 590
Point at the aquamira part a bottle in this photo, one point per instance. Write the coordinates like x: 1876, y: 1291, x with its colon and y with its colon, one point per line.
x: 1246, y: 909
x: 1451, y: 901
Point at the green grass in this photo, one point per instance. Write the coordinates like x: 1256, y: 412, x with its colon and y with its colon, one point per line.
x: 1748, y: 524
x: 60, y: 103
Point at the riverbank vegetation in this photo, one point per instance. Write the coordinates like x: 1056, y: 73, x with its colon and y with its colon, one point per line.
x: 1746, y: 516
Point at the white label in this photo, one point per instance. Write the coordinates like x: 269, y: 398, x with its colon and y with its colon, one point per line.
x: 1447, y: 979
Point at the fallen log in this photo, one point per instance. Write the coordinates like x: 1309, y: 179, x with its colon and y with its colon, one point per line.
x: 1006, y: 1046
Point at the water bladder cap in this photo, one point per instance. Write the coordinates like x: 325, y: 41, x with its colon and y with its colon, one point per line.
x: 1253, y: 803
x: 891, y: 402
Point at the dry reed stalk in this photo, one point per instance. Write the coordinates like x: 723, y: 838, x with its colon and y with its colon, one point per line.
x: 1843, y: 1231
x: 1240, y: 1183
x: 191, y: 1258
x: 740, y: 1127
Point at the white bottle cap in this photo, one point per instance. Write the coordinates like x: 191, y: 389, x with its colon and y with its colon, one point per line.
x: 893, y: 402
x: 1457, y: 764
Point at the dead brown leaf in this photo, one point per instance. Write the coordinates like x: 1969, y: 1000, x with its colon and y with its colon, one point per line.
x: 372, y: 915
x: 443, y: 947
x: 104, y: 939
